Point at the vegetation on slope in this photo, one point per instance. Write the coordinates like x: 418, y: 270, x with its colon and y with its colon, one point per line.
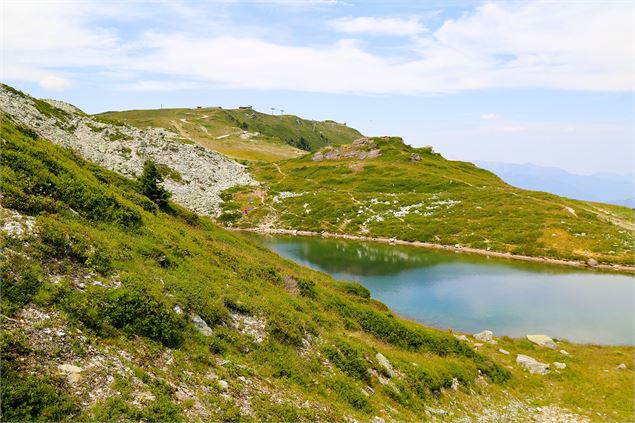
x: 113, y: 309
x: 414, y: 194
x: 243, y: 133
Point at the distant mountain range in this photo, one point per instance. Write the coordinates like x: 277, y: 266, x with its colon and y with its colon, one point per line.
x: 602, y: 187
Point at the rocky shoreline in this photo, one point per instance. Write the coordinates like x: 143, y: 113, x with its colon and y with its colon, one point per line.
x: 580, y: 264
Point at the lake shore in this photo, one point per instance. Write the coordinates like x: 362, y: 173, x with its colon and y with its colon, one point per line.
x: 420, y: 244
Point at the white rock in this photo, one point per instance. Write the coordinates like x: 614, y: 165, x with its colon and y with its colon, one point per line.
x: 502, y: 351
x: 383, y: 361
x: 531, y: 364
x: 563, y: 352
x: 223, y: 385
x: 461, y: 338
x: 621, y: 366
x: 485, y: 336
x: 72, y: 372
x: 201, y: 325
x: 543, y: 341
x: 559, y: 365
x: 455, y: 384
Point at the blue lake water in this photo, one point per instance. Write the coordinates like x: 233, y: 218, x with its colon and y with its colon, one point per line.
x: 471, y: 293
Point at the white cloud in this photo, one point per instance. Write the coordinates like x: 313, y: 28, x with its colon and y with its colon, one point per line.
x: 378, y: 26
x: 53, y: 82
x: 489, y: 116
x: 580, y: 46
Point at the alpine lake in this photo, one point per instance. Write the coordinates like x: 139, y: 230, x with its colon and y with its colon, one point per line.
x: 470, y: 293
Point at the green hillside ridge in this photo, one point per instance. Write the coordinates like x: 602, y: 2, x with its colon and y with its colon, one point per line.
x: 115, y: 310
x: 243, y: 133
x: 414, y: 194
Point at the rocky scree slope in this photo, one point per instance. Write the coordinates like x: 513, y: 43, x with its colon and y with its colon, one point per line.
x: 194, y: 175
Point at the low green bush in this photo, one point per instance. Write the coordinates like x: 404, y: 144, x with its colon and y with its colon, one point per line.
x: 348, y: 359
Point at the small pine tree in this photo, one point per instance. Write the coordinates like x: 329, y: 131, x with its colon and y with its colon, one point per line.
x: 151, y: 187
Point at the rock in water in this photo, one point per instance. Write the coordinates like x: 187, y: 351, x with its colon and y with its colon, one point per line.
x: 534, y: 366
x: 543, y: 341
x: 383, y: 362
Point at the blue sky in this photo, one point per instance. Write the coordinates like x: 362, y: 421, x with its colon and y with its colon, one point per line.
x: 546, y: 82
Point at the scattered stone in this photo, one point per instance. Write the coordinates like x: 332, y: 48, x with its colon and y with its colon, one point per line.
x: 559, y: 365
x: 377, y: 419
x: 478, y: 344
x: 72, y: 372
x: 253, y: 326
x: 592, y: 262
x: 455, y: 384
x: 201, y: 325
x: 502, y: 351
x: 621, y: 366
x: 563, y: 352
x: 485, y: 336
x: 144, y: 397
x: 436, y: 411
x: 533, y: 365
x: 414, y: 157
x: 461, y: 338
x: 543, y: 341
x: 223, y: 385
x: 383, y: 362
x: 182, y: 395
x: 177, y: 309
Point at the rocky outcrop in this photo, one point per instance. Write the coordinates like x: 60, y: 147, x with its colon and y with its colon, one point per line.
x: 194, y: 175
x: 363, y: 148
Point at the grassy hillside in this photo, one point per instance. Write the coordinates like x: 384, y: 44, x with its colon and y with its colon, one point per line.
x: 243, y: 133
x: 416, y: 195
x: 115, y: 310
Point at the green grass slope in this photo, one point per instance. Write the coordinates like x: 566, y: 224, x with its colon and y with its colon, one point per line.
x: 233, y: 132
x: 104, y: 295
x: 430, y: 200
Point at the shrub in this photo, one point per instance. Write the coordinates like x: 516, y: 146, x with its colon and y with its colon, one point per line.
x: 307, y: 288
x: 347, y: 359
x: 351, y: 395
x: 137, y: 312
x: 19, y: 282
x: 33, y: 398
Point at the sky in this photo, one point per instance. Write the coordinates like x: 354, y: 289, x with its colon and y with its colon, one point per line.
x: 543, y: 82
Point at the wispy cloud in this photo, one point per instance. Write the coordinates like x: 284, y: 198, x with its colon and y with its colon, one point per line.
x: 489, y: 116
x: 378, y: 26
x: 53, y: 82
x: 585, y: 46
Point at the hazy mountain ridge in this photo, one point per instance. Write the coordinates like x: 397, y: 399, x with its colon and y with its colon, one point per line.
x: 601, y: 187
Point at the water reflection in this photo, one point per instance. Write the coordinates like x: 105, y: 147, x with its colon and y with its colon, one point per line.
x: 471, y: 293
